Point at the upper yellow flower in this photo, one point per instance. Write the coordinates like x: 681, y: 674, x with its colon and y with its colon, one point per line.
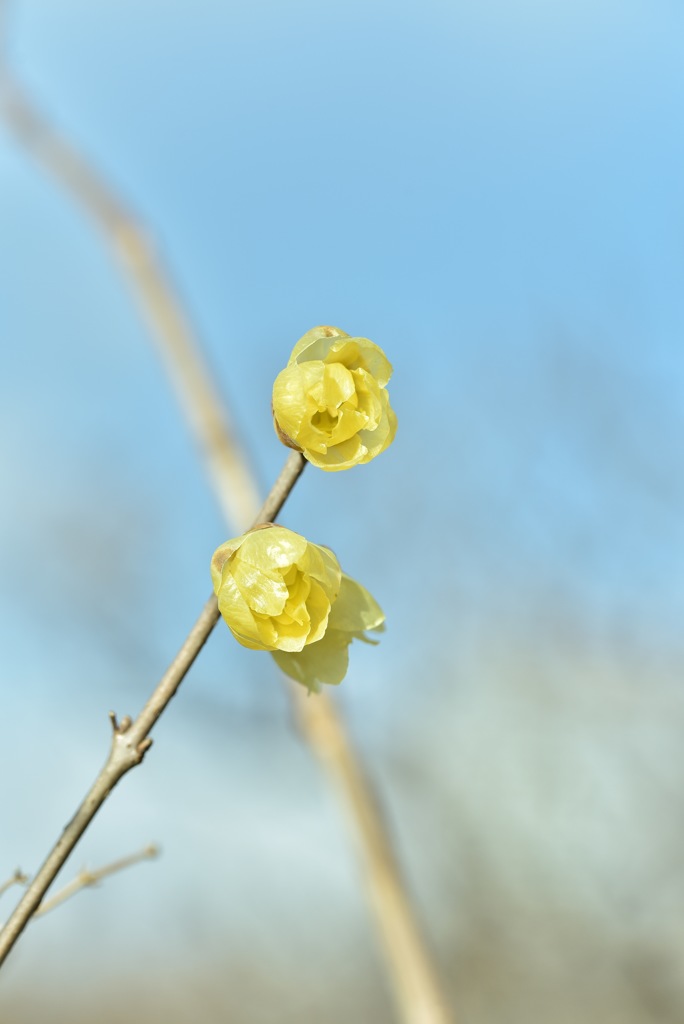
x: 280, y: 593
x: 330, y: 401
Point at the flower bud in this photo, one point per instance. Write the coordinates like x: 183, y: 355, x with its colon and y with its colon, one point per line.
x: 330, y: 401
x: 279, y: 592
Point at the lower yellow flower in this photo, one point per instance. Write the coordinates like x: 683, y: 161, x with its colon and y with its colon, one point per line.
x: 280, y: 593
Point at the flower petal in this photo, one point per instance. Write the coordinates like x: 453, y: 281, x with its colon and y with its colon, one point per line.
x: 355, y: 609
x: 323, y: 662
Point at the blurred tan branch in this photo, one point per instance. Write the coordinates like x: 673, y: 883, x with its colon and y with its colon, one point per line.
x: 418, y: 993
x: 233, y: 483
x: 85, y: 879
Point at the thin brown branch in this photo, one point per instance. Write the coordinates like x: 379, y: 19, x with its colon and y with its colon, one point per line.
x: 18, y: 878
x: 85, y: 879
x: 130, y: 740
x: 418, y: 993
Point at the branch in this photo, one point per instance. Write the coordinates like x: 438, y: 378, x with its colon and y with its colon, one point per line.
x: 85, y: 879
x: 130, y: 740
x: 418, y: 994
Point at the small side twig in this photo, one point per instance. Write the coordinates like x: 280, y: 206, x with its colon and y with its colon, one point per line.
x: 85, y: 879
x: 18, y: 878
x: 130, y: 739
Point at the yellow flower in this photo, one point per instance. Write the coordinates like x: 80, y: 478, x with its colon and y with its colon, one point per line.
x: 278, y: 592
x: 330, y: 401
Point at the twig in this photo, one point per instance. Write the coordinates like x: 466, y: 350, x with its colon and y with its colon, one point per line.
x: 418, y: 994
x: 84, y: 879
x: 18, y: 878
x: 130, y: 740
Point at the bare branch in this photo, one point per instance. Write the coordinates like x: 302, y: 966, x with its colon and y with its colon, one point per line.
x: 85, y: 879
x: 130, y: 740
x: 419, y: 997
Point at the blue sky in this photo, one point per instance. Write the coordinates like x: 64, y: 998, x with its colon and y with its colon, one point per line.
x: 492, y: 192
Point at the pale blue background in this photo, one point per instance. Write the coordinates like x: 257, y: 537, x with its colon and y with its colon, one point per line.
x: 493, y: 193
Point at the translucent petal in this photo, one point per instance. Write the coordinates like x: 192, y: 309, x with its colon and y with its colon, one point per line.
x: 292, y: 391
x: 355, y: 609
x: 340, y: 456
x: 297, y: 600
x: 265, y: 593
x: 319, y: 610
x: 323, y: 336
x: 323, y: 662
x: 220, y: 557
x: 337, y: 386
x: 314, y: 436
x: 272, y: 548
x: 349, y: 422
x: 289, y: 637
x: 321, y: 563
x: 358, y: 353
x: 378, y: 440
x: 319, y: 343
x: 370, y: 398
x: 237, y: 613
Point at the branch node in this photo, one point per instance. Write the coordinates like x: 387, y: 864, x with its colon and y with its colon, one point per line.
x: 144, y: 746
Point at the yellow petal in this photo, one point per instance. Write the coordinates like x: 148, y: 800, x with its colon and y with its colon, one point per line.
x: 264, y: 592
x: 339, y: 456
x: 272, y: 548
x: 358, y: 353
x: 322, y: 662
x: 378, y: 440
x: 320, y: 562
x: 238, y: 614
x: 313, y: 336
x: 355, y: 609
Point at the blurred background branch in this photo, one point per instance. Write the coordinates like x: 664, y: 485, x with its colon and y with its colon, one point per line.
x: 86, y: 879
x: 418, y: 992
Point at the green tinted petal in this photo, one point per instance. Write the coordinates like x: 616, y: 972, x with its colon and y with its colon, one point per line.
x: 349, y: 422
x: 318, y: 339
x: 265, y: 593
x: 237, y: 613
x: 293, y: 404
x: 378, y: 440
x: 359, y: 353
x: 321, y: 563
x: 339, y: 456
x: 221, y: 556
x: 319, y: 610
x: 355, y: 609
x: 372, y: 399
x: 323, y: 662
x: 296, y: 607
x: 337, y: 386
x: 289, y: 637
x: 272, y: 549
